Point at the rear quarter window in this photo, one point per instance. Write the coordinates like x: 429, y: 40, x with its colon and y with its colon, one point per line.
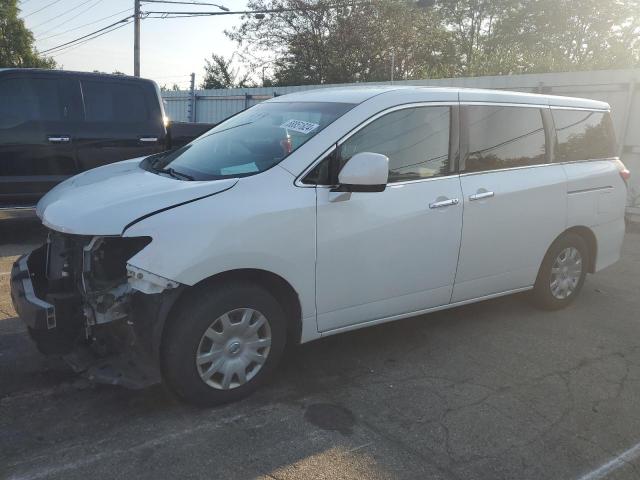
x: 583, y: 135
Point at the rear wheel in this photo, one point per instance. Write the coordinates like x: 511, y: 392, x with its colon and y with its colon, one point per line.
x: 223, y: 343
x: 562, y: 272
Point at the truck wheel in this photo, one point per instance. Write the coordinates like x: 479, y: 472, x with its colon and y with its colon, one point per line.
x: 223, y: 343
x: 562, y: 273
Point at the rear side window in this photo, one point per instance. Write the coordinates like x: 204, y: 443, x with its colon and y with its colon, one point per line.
x: 25, y: 100
x: 416, y: 140
x: 114, y: 102
x: 583, y: 135
x: 504, y: 137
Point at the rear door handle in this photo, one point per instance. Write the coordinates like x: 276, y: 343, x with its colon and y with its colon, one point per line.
x: 59, y: 139
x: 148, y: 139
x: 444, y: 203
x: 481, y: 195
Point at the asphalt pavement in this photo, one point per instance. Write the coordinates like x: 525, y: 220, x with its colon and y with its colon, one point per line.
x: 496, y: 390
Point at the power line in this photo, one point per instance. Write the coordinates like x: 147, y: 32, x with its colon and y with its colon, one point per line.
x: 60, y: 15
x: 80, y: 26
x: 169, y: 14
x: 65, y: 22
x: 76, y: 45
x: 222, y: 7
x: 40, y: 9
x: 123, y: 21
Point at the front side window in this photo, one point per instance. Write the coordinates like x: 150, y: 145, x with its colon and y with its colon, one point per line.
x: 25, y: 100
x: 416, y: 141
x: 503, y: 137
x: 583, y: 135
x: 114, y: 102
x: 252, y: 141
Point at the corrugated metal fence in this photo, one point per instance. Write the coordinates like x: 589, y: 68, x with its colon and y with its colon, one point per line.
x: 617, y: 87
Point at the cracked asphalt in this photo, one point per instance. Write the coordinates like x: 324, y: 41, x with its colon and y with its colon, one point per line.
x: 496, y: 390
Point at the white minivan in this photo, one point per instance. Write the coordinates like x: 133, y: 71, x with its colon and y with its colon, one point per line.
x: 316, y: 213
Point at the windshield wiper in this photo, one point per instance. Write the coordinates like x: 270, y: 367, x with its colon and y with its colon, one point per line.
x: 172, y: 172
x: 175, y: 174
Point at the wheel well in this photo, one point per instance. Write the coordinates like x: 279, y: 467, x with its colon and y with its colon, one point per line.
x: 587, y: 234
x: 277, y: 286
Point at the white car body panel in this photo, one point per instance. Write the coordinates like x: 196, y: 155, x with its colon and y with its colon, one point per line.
x: 505, y: 237
x: 596, y: 199
x: 361, y: 258
x: 390, y: 235
x: 246, y: 227
x: 103, y: 201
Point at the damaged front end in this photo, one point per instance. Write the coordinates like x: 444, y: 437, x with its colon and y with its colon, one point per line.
x: 81, y: 300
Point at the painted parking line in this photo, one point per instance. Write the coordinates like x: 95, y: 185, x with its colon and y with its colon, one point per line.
x: 613, y: 464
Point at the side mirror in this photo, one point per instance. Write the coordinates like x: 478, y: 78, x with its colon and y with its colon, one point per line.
x: 364, y: 172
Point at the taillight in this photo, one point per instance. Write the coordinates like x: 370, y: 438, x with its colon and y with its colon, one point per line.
x: 624, y: 171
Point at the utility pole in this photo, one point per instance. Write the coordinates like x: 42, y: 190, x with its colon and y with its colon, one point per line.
x: 136, y: 38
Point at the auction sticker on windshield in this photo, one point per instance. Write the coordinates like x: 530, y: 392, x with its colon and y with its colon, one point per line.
x: 300, y: 126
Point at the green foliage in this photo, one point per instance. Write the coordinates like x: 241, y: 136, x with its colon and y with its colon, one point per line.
x: 220, y: 73
x: 349, y: 44
x: 16, y: 41
x: 565, y: 35
x: 354, y: 43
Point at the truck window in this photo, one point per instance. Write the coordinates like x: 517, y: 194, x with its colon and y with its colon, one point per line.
x: 117, y: 102
x: 583, y: 135
x: 25, y: 100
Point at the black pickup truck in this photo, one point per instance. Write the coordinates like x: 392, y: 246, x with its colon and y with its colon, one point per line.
x: 55, y: 124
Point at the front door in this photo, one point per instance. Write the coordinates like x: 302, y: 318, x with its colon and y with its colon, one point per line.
x: 36, y: 138
x: 393, y: 252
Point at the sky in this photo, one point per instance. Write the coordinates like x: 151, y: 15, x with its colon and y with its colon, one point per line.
x: 170, y: 48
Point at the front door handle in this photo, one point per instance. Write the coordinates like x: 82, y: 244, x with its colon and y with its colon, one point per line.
x: 481, y: 195
x: 148, y: 139
x: 59, y: 139
x: 444, y: 203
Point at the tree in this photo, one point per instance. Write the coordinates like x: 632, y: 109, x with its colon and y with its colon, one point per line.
x: 312, y: 41
x: 319, y: 43
x: 473, y: 27
x: 565, y: 35
x: 220, y: 73
x: 16, y: 41
x: 500, y: 37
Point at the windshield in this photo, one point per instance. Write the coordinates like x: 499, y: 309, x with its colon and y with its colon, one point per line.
x: 250, y: 142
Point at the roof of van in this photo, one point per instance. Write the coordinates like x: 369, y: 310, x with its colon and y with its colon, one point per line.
x: 359, y: 94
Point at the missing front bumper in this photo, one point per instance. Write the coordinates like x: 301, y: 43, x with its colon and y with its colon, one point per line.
x: 121, y: 350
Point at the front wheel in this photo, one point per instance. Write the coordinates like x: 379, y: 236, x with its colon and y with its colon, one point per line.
x: 562, y: 273
x: 223, y: 343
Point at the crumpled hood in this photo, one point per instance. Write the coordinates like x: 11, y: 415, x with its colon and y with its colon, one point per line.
x: 105, y: 200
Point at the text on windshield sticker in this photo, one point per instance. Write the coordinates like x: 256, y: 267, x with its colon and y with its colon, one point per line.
x: 299, y: 126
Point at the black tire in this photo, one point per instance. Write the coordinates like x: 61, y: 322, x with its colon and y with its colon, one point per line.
x: 185, y: 331
x: 542, y: 294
